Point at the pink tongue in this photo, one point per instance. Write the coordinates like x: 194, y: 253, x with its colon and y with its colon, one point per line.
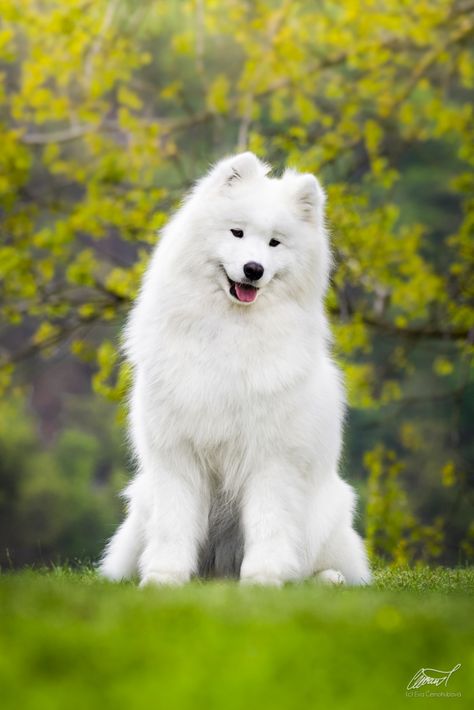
x: 245, y: 293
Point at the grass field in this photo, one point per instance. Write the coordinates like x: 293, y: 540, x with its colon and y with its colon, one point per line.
x: 70, y: 640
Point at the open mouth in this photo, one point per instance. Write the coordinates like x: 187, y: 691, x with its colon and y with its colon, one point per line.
x: 245, y: 293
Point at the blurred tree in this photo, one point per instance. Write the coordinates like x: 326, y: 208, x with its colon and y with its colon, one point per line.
x: 59, y: 504
x: 110, y: 109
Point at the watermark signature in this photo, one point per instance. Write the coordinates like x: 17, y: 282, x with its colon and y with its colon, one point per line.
x: 432, y: 676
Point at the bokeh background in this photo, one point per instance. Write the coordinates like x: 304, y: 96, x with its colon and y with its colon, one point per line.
x: 109, y: 110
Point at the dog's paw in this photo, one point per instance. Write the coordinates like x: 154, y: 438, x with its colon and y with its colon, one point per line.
x: 164, y: 579
x: 330, y: 576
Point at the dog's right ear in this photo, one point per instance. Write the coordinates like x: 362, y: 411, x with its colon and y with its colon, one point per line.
x: 307, y: 194
x: 236, y: 170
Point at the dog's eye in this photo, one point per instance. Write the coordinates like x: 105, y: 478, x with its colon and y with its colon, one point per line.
x: 273, y: 242
x: 237, y: 233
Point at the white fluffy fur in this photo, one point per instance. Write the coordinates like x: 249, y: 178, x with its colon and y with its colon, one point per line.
x: 240, y: 397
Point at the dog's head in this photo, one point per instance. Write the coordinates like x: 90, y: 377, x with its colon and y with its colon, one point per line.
x: 264, y: 237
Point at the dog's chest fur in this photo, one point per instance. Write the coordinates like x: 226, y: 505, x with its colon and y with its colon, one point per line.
x: 225, y: 376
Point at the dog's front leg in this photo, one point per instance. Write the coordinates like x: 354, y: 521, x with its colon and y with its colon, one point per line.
x: 178, y: 519
x: 273, y: 523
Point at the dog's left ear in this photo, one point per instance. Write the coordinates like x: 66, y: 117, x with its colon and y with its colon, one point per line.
x: 237, y: 169
x: 308, y: 195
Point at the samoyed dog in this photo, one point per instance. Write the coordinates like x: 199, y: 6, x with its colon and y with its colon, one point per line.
x: 237, y: 408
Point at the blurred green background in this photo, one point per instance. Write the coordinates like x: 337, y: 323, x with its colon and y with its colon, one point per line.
x: 109, y: 110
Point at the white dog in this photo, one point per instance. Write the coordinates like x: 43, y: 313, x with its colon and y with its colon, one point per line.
x: 237, y: 408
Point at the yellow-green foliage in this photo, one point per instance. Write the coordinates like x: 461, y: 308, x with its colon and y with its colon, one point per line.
x: 104, y: 97
x: 393, y: 530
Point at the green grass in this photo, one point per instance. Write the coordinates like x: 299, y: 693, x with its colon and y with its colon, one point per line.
x: 69, y: 640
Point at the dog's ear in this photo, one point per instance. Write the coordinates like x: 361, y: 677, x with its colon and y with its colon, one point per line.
x: 237, y: 169
x: 307, y: 194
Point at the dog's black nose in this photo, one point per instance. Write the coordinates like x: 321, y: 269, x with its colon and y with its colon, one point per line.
x: 253, y: 271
